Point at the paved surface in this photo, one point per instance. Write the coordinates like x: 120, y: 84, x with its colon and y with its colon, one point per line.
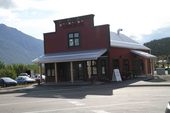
x: 133, y: 96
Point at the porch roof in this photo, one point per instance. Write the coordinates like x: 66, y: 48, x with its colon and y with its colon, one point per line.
x: 143, y: 54
x: 70, y: 56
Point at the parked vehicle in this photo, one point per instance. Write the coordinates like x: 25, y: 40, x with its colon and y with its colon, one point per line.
x: 167, y: 108
x: 38, y: 77
x: 7, y: 81
x: 24, y: 80
x: 24, y: 74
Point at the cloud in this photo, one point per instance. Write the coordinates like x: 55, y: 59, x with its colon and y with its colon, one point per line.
x: 32, y: 13
x: 6, y: 4
x: 158, y: 34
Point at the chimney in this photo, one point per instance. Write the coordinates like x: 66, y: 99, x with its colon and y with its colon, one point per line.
x: 118, y: 31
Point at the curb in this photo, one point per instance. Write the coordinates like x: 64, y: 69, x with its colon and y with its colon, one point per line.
x: 14, y: 89
x: 149, y: 85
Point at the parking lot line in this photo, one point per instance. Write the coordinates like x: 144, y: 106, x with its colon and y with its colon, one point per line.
x: 75, y: 102
x: 100, y: 111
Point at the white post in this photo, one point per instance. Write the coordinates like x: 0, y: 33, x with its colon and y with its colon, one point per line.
x: 56, y: 76
x: 71, y: 71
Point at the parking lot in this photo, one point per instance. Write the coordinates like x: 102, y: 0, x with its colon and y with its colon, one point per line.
x: 107, y: 98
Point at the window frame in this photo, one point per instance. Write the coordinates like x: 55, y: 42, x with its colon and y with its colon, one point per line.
x: 74, y: 39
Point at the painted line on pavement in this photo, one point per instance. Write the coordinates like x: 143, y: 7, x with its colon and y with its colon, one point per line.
x: 99, y: 111
x: 75, y: 102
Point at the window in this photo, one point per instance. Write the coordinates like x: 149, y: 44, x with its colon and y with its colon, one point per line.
x: 73, y: 39
x: 94, y: 67
x: 115, y: 63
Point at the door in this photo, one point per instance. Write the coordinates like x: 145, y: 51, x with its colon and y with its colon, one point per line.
x: 63, y: 70
x: 80, y: 70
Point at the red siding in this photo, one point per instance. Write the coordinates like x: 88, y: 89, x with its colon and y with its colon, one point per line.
x: 119, y: 53
x: 90, y: 37
x: 124, y: 53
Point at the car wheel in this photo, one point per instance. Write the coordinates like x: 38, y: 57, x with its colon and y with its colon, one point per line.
x: 5, y: 85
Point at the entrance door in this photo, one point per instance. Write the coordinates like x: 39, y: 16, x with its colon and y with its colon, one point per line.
x: 115, y: 63
x: 80, y: 70
x: 138, y: 66
x: 63, y: 70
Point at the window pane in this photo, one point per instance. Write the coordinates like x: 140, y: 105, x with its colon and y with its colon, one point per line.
x: 48, y: 72
x: 94, y: 70
x: 77, y: 42
x: 71, y: 43
x: 76, y: 34
x: 53, y: 72
x: 70, y: 35
x: 103, y: 70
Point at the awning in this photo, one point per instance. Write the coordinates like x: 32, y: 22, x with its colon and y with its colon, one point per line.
x: 143, y: 54
x: 70, y: 56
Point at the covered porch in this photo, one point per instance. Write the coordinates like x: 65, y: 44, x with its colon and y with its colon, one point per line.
x: 75, y: 66
x: 143, y: 62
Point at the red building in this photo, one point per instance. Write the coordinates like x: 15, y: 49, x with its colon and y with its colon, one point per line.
x: 78, y: 50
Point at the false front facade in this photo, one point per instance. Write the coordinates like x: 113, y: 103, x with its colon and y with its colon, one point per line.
x: 78, y: 50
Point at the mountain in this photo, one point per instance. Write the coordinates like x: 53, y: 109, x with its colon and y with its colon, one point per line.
x: 17, y: 47
x: 159, y: 47
x: 157, y: 34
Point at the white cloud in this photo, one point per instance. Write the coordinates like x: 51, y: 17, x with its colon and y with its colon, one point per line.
x: 135, y: 17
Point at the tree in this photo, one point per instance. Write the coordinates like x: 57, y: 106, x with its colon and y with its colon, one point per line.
x: 2, y: 65
x: 7, y: 73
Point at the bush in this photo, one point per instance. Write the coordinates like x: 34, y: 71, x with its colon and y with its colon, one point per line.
x: 2, y: 65
x: 15, y: 69
x: 7, y: 73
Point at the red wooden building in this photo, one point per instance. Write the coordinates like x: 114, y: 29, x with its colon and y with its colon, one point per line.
x: 78, y: 50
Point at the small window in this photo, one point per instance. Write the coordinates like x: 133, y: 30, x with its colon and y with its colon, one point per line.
x: 73, y: 39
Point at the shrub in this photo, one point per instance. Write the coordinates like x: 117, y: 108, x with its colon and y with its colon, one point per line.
x: 7, y: 73
x: 2, y: 65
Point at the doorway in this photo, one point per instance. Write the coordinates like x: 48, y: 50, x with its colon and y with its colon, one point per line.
x: 63, y: 70
x: 80, y: 70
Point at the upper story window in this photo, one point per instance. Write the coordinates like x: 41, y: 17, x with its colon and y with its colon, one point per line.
x: 73, y: 39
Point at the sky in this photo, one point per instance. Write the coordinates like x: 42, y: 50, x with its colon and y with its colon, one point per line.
x: 136, y: 17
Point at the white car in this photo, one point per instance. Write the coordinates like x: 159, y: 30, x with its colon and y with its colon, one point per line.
x: 24, y: 79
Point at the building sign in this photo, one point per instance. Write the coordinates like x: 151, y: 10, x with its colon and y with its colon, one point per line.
x: 116, y: 75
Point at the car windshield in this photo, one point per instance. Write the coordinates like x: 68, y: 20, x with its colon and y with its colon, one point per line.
x: 23, y: 77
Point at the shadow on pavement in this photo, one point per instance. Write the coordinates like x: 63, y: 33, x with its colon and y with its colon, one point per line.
x: 74, y: 91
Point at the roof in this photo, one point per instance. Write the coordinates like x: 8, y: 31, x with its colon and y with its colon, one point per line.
x: 143, y: 54
x: 70, y: 56
x: 124, y: 41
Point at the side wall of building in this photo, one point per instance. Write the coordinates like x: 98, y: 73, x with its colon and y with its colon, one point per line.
x: 128, y: 63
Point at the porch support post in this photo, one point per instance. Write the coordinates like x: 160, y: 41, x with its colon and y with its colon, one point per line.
x: 56, y: 76
x: 152, y: 66
x: 71, y: 72
x: 40, y: 67
x: 146, y: 66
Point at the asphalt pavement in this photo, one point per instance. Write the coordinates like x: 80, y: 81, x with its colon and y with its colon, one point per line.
x: 137, y: 82
x: 130, y: 96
